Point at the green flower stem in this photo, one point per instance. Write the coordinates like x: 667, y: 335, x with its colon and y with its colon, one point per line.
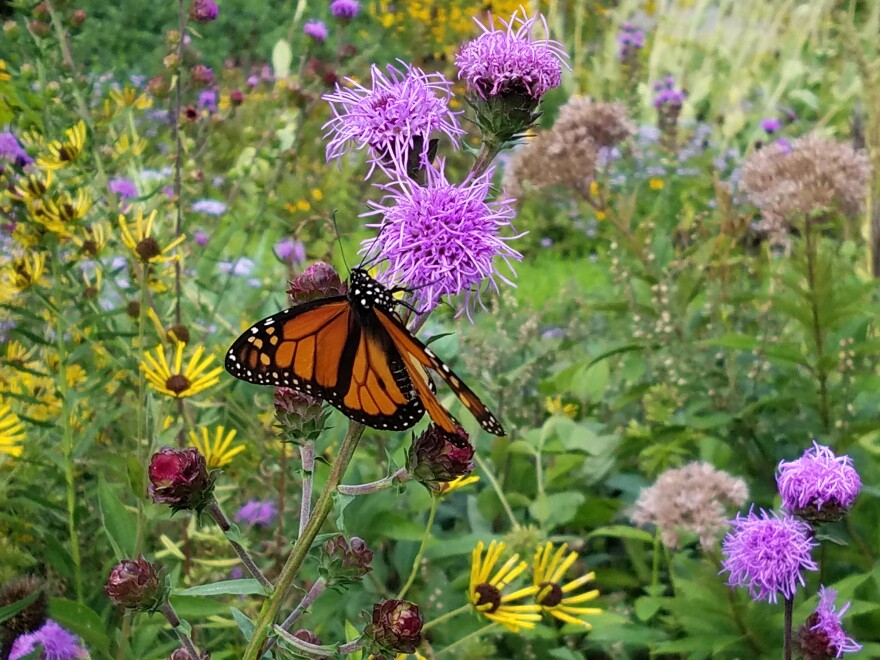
x: 307, y: 600
x: 384, y: 483
x: 477, y: 633
x: 181, y: 630
x: 222, y: 521
x: 312, y: 650
x: 307, y: 456
x: 178, y: 153
x: 303, y: 544
x: 445, y: 617
x: 820, y: 370
x: 498, y: 490
x: 488, y: 151
x: 786, y: 633
x: 417, y: 562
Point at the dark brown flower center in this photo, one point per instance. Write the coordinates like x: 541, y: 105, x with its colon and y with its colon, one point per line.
x: 181, y: 332
x: 67, y: 152
x: 486, y: 593
x: 553, y: 595
x: 90, y: 247
x: 178, y: 383
x: 148, y: 248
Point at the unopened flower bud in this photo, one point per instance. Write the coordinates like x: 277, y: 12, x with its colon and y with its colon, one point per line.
x: 136, y: 584
x: 171, y: 61
x: 40, y: 12
x: 202, y: 75
x: 301, y: 416
x: 11, y: 29
x: 345, y: 561
x: 159, y: 86
x: 437, y: 456
x: 396, y: 626
x: 182, y: 654
x: 39, y: 28
x: 236, y: 97
x: 180, y: 479
x: 203, y: 11
x: 28, y: 619
x: 77, y: 18
x: 319, y: 280
x: 307, y: 636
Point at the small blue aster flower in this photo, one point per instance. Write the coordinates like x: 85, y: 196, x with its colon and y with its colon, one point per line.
x: 823, y: 636
x: 12, y: 151
x: 125, y: 188
x: 260, y: 513
x: 209, y: 206
x: 208, y: 100
x: 768, y: 553
x: 291, y: 251
x: 56, y: 644
x: 818, y: 486
x: 317, y: 30
x: 399, y: 112
x: 442, y: 239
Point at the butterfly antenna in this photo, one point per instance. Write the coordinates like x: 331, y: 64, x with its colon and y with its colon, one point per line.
x: 339, y: 240
x: 365, y: 262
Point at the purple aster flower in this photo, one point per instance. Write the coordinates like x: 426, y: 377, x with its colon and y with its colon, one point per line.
x: 201, y: 237
x: 257, y: 512
x: 241, y: 267
x: 818, y: 486
x: 442, y: 239
x: 203, y: 11
x: 125, y: 188
x: 290, y: 251
x: 345, y: 8
x: 208, y: 100
x: 785, y: 146
x: 399, y: 113
x: 767, y: 553
x: 668, y: 95
x: 630, y: 40
x: 822, y: 636
x: 253, y: 80
x: 771, y: 125
x: 12, y: 151
x: 56, y: 642
x: 209, y: 206
x: 509, y: 61
x: 317, y: 30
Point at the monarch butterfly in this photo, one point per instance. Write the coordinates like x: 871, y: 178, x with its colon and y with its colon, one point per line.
x: 354, y: 352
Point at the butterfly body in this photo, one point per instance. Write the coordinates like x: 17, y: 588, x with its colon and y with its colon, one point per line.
x: 354, y: 352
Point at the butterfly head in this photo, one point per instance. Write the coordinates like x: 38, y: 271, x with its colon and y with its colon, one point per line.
x: 364, y: 292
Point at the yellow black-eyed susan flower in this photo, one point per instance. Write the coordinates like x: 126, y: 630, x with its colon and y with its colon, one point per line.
x: 143, y: 243
x: 129, y: 97
x: 553, y: 597
x: 93, y: 239
x: 487, y: 595
x: 11, y: 431
x: 27, y: 270
x: 32, y: 187
x: 58, y: 215
x: 555, y: 406
x: 175, y: 380
x: 64, y: 152
x: 218, y: 452
x: 447, y: 487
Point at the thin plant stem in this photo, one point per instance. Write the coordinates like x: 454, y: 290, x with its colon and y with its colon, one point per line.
x: 310, y: 597
x: 498, y: 491
x: 384, y: 483
x: 303, y: 544
x: 178, y: 155
x: 445, y: 617
x: 474, y: 635
x: 222, y: 521
x: 484, y: 159
x: 786, y: 633
x: 818, y: 334
x: 313, y: 650
x: 307, y: 456
x: 417, y: 562
x: 185, y: 639
x: 655, y: 568
x: 279, y: 527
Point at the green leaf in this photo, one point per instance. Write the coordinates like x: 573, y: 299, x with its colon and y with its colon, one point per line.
x: 83, y: 621
x: 281, y: 58
x: 556, y: 508
x: 246, y: 587
x: 623, y: 532
x: 198, y: 607
x: 118, y: 523
x: 245, y: 625
x: 646, y: 607
x: 351, y: 634
x: 14, y: 608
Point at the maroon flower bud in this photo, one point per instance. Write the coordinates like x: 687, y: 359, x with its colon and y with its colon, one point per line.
x: 308, y: 636
x: 319, y: 280
x: 396, y: 626
x: 136, y: 584
x: 77, y: 18
x: 300, y: 416
x: 40, y: 12
x: 203, y: 11
x: 236, y: 97
x: 437, y: 456
x: 39, y: 28
x: 329, y: 78
x: 182, y: 654
x: 26, y: 620
x: 179, y: 478
x: 159, y: 86
x: 347, y: 50
x: 202, y: 75
x: 345, y: 562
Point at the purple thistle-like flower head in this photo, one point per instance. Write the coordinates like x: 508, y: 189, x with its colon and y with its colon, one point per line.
x: 12, y: 151
x: 345, y: 8
x: 771, y: 125
x: 208, y: 100
x: 767, y: 553
x: 203, y: 11
x: 668, y: 95
x: 509, y: 61
x: 56, y: 642
x: 442, y: 239
x: 125, y: 188
x: 822, y: 635
x: 317, y: 30
x: 291, y: 251
x: 630, y: 40
x: 399, y: 112
x: 258, y: 513
x: 818, y: 484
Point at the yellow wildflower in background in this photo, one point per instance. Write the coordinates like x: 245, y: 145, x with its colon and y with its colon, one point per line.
x: 218, y: 452
x: 27, y: 270
x: 178, y: 382
x: 446, y: 487
x: 62, y: 153
x: 93, y: 239
x: 58, y: 215
x: 552, y: 596
x: 32, y: 187
x: 4, y: 74
x: 11, y: 431
x: 125, y: 145
x: 129, y: 97
x: 555, y: 406
x: 486, y: 594
x: 656, y: 184
x: 143, y: 243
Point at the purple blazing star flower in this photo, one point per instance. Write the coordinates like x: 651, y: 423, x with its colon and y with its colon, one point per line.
x: 818, y: 481
x: 290, y: 251
x: 771, y: 125
x: 317, y: 30
x: 767, y: 553
x: 125, y: 188
x: 203, y: 11
x: 822, y: 636
x: 56, y: 642
x: 12, y: 151
x: 630, y: 40
x: 401, y: 108
x: 668, y: 95
x: 208, y: 100
x: 209, y: 206
x: 257, y: 513
x: 442, y: 239
x: 510, y: 61
x: 201, y: 237
x: 345, y: 8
